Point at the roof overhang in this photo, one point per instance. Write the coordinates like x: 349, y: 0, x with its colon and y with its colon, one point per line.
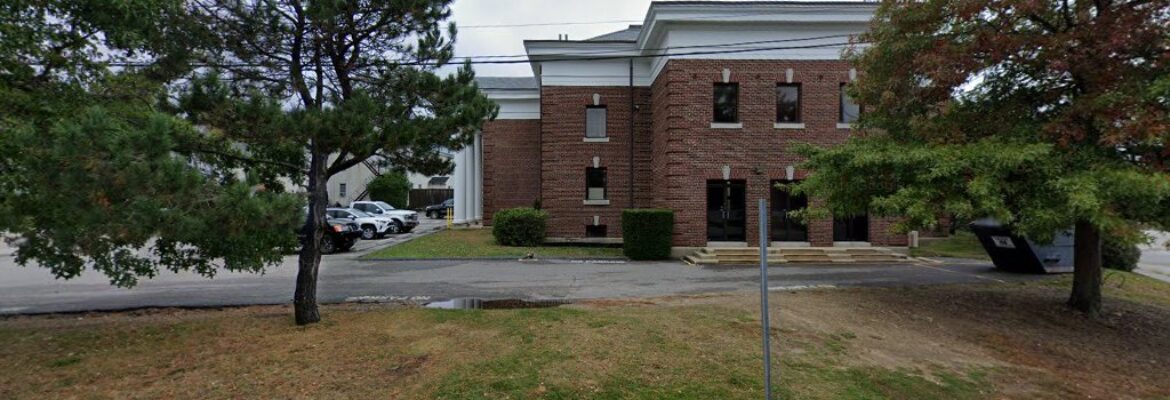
x: 664, y: 14
x: 551, y: 50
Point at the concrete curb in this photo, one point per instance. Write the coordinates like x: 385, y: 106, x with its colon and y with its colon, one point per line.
x: 564, y: 259
x: 417, y: 235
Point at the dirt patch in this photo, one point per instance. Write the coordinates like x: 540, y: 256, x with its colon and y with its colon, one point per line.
x: 1040, y: 348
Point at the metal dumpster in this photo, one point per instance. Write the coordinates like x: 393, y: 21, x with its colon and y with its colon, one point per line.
x: 1011, y: 252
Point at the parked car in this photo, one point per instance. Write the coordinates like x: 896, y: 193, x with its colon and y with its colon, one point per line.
x: 435, y: 211
x: 340, y: 235
x: 402, y: 221
x: 372, y: 227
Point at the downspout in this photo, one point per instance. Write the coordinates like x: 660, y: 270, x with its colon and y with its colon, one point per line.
x: 540, y: 138
x: 632, y: 112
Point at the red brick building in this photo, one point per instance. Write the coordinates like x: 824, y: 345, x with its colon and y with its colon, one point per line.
x: 695, y: 110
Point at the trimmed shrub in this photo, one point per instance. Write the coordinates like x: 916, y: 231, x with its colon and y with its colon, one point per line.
x: 392, y: 187
x: 1119, y: 252
x: 646, y: 233
x: 519, y: 227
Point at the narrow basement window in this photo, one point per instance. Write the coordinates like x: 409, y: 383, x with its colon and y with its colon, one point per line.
x: 595, y: 118
x: 595, y: 183
x: 595, y: 231
x: 726, y: 103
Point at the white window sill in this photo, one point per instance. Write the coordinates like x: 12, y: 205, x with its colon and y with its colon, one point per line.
x: 597, y: 140
x: 727, y: 125
x: 788, y: 125
x: 596, y: 202
x: 844, y: 125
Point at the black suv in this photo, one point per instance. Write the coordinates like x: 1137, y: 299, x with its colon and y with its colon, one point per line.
x: 340, y: 235
x: 440, y: 210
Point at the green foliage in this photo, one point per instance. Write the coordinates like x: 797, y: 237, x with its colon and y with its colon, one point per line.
x: 94, y: 176
x: 647, y: 233
x: 160, y: 164
x: 1120, y: 252
x: 519, y: 226
x: 956, y: 124
x: 392, y: 187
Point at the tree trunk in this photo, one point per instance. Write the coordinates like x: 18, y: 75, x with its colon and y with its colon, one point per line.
x: 305, y: 299
x: 1086, y: 290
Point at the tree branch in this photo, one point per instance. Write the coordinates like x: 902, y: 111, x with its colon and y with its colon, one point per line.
x: 342, y: 164
x: 288, y: 166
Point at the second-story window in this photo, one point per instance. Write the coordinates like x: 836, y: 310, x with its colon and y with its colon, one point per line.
x: 788, y: 103
x: 595, y: 118
x: 594, y: 183
x: 850, y: 110
x: 726, y: 103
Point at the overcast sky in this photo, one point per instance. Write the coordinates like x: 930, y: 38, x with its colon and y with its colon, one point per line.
x: 474, y: 41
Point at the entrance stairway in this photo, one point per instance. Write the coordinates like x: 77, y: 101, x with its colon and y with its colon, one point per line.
x: 798, y: 255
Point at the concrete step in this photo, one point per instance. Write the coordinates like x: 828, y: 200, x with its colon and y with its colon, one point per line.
x: 810, y: 255
x: 809, y: 259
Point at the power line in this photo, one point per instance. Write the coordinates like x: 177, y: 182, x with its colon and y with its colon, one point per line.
x: 734, y: 47
x: 693, y: 53
x: 562, y: 57
x: 734, y: 44
x: 626, y: 21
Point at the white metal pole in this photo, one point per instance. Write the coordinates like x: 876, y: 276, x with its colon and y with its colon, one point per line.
x: 764, y: 298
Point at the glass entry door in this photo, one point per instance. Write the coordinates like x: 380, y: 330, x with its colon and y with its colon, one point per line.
x: 725, y: 211
x: 784, y: 227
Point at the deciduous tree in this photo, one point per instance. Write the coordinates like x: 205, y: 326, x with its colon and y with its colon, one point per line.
x: 1043, y: 114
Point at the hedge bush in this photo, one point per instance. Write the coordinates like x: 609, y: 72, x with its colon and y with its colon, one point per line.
x: 519, y: 227
x: 1119, y: 252
x: 646, y: 233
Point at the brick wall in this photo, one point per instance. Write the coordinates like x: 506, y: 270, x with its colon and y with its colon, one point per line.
x: 688, y: 151
x: 676, y: 151
x: 566, y: 155
x: 511, y: 171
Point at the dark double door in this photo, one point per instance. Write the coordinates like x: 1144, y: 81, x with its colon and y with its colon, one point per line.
x: 726, y: 214
x: 783, y: 227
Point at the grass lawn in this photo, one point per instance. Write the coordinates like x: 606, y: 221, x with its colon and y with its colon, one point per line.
x: 471, y: 243
x: 1014, y: 341
x: 960, y: 245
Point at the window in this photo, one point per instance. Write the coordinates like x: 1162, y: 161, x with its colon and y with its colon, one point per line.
x: 850, y: 110
x: 595, y: 117
x: 341, y: 190
x: 788, y: 103
x: 595, y: 231
x: 595, y: 183
x: 726, y: 103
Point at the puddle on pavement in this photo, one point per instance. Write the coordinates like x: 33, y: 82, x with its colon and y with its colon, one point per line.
x: 471, y: 303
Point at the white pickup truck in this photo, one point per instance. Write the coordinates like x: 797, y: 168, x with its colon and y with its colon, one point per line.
x: 402, y: 221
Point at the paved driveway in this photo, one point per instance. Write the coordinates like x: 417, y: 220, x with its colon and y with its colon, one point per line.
x: 346, y: 277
